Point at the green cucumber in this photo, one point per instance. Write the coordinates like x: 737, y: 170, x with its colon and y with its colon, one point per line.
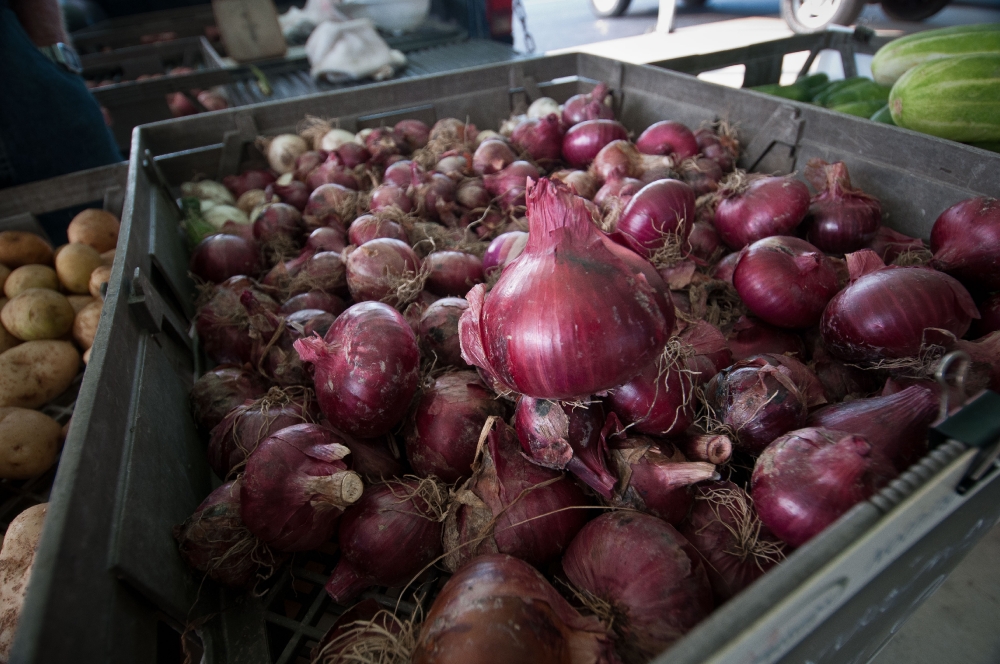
x: 836, y: 86
x: 955, y: 98
x: 992, y: 146
x: 862, y: 109
x: 898, y: 56
x: 813, y: 83
x: 786, y: 91
x: 868, y: 91
x: 883, y: 115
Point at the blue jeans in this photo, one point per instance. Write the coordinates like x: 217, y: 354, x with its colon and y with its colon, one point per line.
x: 49, y: 122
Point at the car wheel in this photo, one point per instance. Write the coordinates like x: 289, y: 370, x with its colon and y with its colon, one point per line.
x: 912, y: 10
x: 608, y: 8
x: 808, y: 16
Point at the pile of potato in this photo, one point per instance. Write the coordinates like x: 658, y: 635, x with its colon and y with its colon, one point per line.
x: 49, y: 312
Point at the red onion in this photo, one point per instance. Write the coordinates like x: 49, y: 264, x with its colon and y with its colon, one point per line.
x: 295, y: 487
x: 984, y: 353
x: 364, y: 628
x: 219, y: 257
x: 306, y: 162
x: 896, y: 425
x: 841, y: 218
x: 989, y: 309
x: 352, y: 155
x: 554, y: 326
x: 564, y: 437
x: 438, y: 332
x: 715, y: 449
x: 433, y: 195
x: 726, y: 531
x: 616, y: 191
x: 492, y: 156
x: 701, y: 174
x: 220, y: 390
x: 721, y: 149
x: 668, y: 138
x: 640, y: 266
x: 583, y: 141
x: 512, y: 506
x: 383, y: 143
x: 375, y: 459
x: 413, y: 132
x: 752, y: 337
x: 453, y: 273
x: 369, y: 227
x: 400, y: 174
x: 272, y: 353
x: 582, y: 107
x: 965, y: 240
x: 723, y: 270
x: 387, y: 537
x: 659, y: 400
x: 327, y: 238
x: 367, y: 368
x: 279, y: 228
x: 620, y: 158
x: 806, y: 479
x: 214, y: 540
x: 223, y: 325
x: 580, y: 183
x: 314, y: 299
x: 500, y: 609
x: 513, y: 176
x: 652, y: 578
x: 541, y: 138
x: 890, y: 244
x: 331, y: 171
x: 331, y: 203
x: 884, y: 311
x: 710, y: 350
x: 247, y: 180
x: 704, y: 242
x: 472, y: 194
x: 758, y: 401
x: 446, y: 426
x: 502, y: 250
x: 377, y: 269
x: 324, y: 271
x: 288, y: 190
x: 659, y: 210
x: 387, y: 196
x: 455, y: 164
x: 753, y: 207
x: 785, y: 281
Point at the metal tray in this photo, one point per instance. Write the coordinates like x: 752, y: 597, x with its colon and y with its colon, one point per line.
x: 109, y: 584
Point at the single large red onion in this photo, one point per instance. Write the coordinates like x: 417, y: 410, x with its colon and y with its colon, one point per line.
x: 413, y: 132
x: 438, y: 332
x: 753, y: 207
x: 386, y: 538
x: 503, y: 249
x: 541, y: 138
x: 324, y: 271
x: 366, y: 368
x: 247, y: 180
x: 841, y: 218
x: 661, y: 212
x: 307, y: 161
x: 376, y: 269
x: 555, y: 326
x: 455, y: 164
x: 785, y: 281
x: 492, y: 156
x: 564, y: 437
x: 369, y: 227
x: 668, y: 138
x: 652, y: 578
x: 896, y: 425
x: 387, y: 196
x: 750, y: 337
x: 449, y: 418
x: 295, y: 487
x: 890, y: 244
x: 500, y: 609
x: 220, y: 257
x: 726, y: 531
x: 965, y: 240
x: 512, y: 506
x: 884, y: 311
x: 222, y: 389
x: 590, y: 106
x: 214, y: 540
x: 400, y: 173
x: 584, y: 140
x: 806, y: 479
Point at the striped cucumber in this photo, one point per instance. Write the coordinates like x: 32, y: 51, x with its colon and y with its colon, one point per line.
x: 898, y: 56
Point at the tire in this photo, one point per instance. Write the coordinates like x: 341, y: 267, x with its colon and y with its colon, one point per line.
x: 608, y: 8
x: 912, y: 10
x: 809, y: 16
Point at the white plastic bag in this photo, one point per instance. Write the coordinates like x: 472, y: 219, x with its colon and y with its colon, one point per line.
x: 351, y: 50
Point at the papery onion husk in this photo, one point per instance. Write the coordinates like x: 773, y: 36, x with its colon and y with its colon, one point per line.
x: 884, y: 311
x: 215, y: 541
x: 841, y: 218
x: 785, y: 281
x: 566, y: 279
x: 295, y: 487
x: 645, y: 575
x: 892, y: 245
x: 566, y: 437
x: 388, y: 537
x: 500, y: 609
x: 806, y: 479
x: 438, y: 332
x: 965, y: 240
x: 752, y: 207
x: 366, y: 369
x: 709, y: 351
x: 512, y: 506
x: 724, y: 527
x: 449, y: 417
x: 221, y: 389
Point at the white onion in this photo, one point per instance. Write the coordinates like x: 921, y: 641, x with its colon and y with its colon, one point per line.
x: 486, y: 135
x: 217, y: 215
x: 544, y: 107
x: 362, y: 135
x: 208, y: 190
x: 334, y: 138
x: 284, y: 150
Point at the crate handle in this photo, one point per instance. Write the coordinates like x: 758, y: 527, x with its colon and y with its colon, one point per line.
x: 152, y: 313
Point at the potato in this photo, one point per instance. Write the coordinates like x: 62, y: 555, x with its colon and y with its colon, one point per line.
x: 79, y: 302
x: 30, y: 276
x: 85, y: 324
x: 19, y: 248
x: 86, y: 355
x: 16, y: 559
x: 7, y: 340
x: 99, y: 277
x: 29, y: 443
x: 96, y: 228
x: 74, y: 265
x: 38, y: 313
x: 64, y: 433
x: 4, y: 273
x: 108, y: 257
x: 36, y: 372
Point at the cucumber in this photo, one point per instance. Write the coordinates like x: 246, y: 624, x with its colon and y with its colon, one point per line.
x: 992, y: 146
x: 836, y: 86
x: 956, y: 98
x: 862, y: 109
x: 868, y: 91
x: 883, y: 115
x: 898, y: 56
x: 813, y: 83
x: 787, y: 91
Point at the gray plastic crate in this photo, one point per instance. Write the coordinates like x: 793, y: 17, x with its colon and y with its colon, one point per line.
x: 137, y: 29
x: 109, y: 583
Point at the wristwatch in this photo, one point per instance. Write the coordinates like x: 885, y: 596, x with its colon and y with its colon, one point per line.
x: 64, y: 55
